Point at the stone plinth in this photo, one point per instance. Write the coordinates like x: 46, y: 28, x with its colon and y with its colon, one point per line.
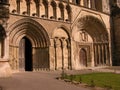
x: 5, y: 70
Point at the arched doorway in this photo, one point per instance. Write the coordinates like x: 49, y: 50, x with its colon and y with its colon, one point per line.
x: 30, y: 39
x: 25, y: 55
x: 83, y: 57
x: 91, y: 34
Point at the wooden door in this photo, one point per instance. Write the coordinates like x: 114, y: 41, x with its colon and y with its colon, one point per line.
x: 83, y: 57
x: 22, y: 55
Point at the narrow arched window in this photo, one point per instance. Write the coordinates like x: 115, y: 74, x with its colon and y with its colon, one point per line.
x: 28, y: 6
x: 18, y: 6
x: 98, y: 5
x: 78, y: 2
x: 45, y: 3
x: 92, y: 4
x: 61, y: 7
x: 86, y: 3
x: 69, y: 12
x: 53, y: 4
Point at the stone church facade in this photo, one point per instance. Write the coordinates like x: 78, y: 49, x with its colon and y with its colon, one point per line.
x: 54, y: 35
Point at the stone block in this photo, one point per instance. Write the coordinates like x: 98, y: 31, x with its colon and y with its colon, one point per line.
x: 5, y: 70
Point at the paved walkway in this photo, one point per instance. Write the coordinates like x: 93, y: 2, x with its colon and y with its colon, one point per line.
x: 42, y: 80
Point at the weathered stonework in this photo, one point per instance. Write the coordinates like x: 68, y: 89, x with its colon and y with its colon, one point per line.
x: 57, y: 35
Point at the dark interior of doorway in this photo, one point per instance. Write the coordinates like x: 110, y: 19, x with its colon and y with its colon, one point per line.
x: 28, y: 55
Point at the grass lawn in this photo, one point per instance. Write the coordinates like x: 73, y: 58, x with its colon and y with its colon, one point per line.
x: 109, y: 80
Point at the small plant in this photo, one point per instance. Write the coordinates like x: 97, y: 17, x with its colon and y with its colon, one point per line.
x: 108, y: 87
x: 63, y: 75
x: 71, y: 77
x: 80, y: 80
x: 92, y: 83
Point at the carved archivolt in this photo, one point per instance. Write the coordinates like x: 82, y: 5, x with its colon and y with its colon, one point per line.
x: 32, y: 30
x: 39, y: 39
x: 93, y: 26
x: 91, y: 32
x: 62, y: 49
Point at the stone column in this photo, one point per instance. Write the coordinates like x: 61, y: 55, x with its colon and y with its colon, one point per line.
x: 99, y: 53
x: 69, y: 55
x: 5, y: 69
x: 95, y: 55
x: 52, y: 55
x: 62, y: 47
x: 58, y: 53
x: 107, y: 54
x: 55, y: 46
x: 103, y: 57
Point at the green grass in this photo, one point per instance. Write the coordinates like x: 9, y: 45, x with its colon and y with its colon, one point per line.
x: 108, y: 80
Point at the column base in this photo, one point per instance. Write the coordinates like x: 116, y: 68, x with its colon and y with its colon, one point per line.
x: 5, y: 70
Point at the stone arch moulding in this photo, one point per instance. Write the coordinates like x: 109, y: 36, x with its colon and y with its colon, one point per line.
x: 61, y: 48
x: 29, y: 28
x: 97, y: 26
x: 97, y: 30
x: 39, y: 39
x: 65, y: 29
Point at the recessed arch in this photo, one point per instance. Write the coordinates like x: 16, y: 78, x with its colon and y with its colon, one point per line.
x: 32, y: 32
x: 94, y: 27
x: 29, y: 28
x: 62, y: 48
x: 95, y: 35
x: 69, y: 12
x: 54, y: 8
x: 61, y: 7
x: 64, y: 28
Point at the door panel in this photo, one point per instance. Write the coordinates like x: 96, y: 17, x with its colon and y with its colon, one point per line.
x: 83, y: 57
x: 25, y: 55
x: 22, y: 55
